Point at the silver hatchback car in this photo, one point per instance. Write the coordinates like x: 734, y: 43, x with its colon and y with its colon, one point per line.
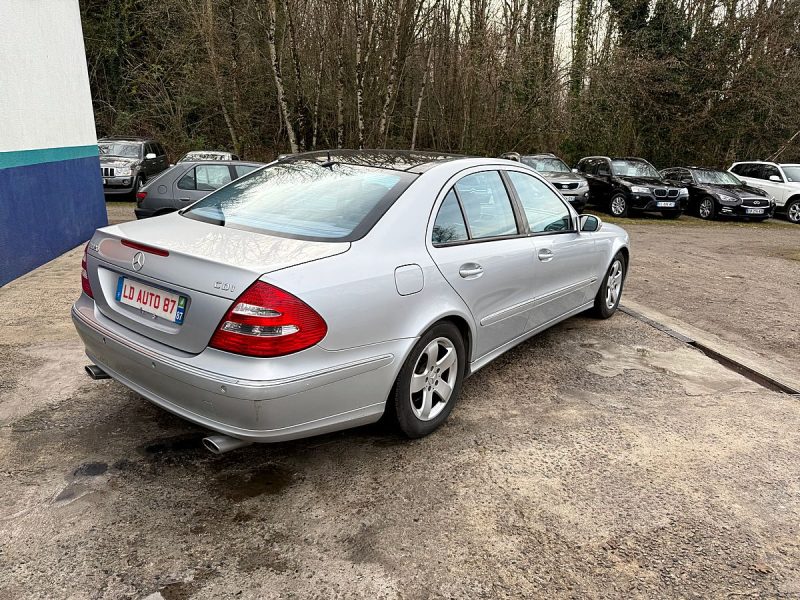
x: 328, y: 288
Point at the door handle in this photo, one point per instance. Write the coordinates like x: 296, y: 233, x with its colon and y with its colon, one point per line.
x: 545, y: 255
x: 470, y: 270
x: 184, y: 199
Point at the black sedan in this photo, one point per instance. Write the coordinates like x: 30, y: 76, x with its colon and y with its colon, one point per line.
x: 186, y: 183
x: 714, y: 193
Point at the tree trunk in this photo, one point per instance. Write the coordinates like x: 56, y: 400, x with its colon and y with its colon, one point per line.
x: 276, y: 72
x: 428, y: 68
x: 390, y: 83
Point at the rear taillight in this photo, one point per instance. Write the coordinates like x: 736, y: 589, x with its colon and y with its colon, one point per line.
x: 140, y: 196
x: 87, y: 288
x: 267, y: 321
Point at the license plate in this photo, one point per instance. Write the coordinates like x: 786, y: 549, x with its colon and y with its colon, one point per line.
x: 665, y: 204
x: 755, y: 211
x: 152, y: 300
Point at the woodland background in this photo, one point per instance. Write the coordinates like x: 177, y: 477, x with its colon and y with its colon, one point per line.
x: 676, y: 81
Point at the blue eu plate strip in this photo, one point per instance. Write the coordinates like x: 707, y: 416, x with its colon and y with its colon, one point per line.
x: 119, y: 288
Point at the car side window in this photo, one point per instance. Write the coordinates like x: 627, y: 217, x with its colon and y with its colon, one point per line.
x: 603, y: 168
x: 242, y: 170
x: 486, y: 205
x: 748, y: 170
x: 770, y: 171
x: 449, y: 225
x: 545, y: 211
x: 211, y: 177
x: 187, y: 181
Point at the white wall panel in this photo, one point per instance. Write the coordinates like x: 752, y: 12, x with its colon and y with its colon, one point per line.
x: 44, y: 85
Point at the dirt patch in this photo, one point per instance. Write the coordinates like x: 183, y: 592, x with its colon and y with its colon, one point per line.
x: 737, y: 281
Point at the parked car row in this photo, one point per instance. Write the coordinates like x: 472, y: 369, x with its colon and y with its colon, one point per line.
x: 128, y: 163
x: 755, y: 190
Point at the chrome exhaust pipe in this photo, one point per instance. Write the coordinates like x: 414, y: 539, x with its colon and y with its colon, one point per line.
x: 96, y: 372
x: 220, y: 444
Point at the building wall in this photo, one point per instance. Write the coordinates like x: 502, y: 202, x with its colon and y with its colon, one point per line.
x: 51, y: 193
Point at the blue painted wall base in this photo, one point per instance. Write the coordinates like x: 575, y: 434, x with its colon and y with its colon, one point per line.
x: 47, y: 209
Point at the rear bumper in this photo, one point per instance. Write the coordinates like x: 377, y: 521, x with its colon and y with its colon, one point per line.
x: 350, y: 391
x: 143, y: 213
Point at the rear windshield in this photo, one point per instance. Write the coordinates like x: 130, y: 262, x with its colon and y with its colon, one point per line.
x: 305, y: 200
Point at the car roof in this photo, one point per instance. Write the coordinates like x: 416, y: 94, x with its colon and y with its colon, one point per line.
x: 413, y: 161
x: 192, y: 163
x: 207, y: 152
x: 126, y: 139
x: 540, y: 155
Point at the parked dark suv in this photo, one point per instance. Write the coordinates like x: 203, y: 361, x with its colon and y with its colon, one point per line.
x: 625, y: 184
x: 714, y: 193
x: 572, y: 186
x: 126, y: 163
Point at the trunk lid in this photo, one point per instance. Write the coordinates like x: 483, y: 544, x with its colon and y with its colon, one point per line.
x: 208, y: 265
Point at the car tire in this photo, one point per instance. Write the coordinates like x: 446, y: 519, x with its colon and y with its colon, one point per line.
x: 618, y: 205
x: 707, y: 209
x: 408, y: 408
x: 606, y: 302
x: 793, y: 211
x: 672, y: 214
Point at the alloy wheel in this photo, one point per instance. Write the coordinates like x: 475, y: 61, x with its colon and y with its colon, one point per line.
x: 794, y: 212
x: 618, y: 206
x: 706, y: 208
x: 614, y: 283
x: 433, y: 379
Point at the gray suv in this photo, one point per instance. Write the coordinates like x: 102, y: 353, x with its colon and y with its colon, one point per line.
x: 187, y: 182
x: 126, y: 163
x: 574, y: 187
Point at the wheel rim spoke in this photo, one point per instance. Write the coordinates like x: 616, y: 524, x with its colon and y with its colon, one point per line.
x: 417, y: 382
x: 447, y: 361
x: 444, y: 389
x: 427, y: 405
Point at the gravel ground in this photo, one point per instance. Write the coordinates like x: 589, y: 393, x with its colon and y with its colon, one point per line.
x: 739, y: 281
x: 600, y: 459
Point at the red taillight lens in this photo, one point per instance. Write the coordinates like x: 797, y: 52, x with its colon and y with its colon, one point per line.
x: 85, y: 275
x: 267, y: 321
x: 140, y: 196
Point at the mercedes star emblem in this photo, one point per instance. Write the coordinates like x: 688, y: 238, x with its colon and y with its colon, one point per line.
x: 138, y: 261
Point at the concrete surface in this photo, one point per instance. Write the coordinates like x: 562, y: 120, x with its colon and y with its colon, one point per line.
x: 600, y: 459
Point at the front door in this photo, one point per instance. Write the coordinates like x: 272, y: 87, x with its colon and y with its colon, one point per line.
x: 566, y: 264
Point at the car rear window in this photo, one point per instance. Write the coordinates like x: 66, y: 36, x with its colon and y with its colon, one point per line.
x: 305, y: 199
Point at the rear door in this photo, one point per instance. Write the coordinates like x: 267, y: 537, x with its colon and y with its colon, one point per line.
x: 480, y: 245
x: 201, y: 180
x: 566, y: 265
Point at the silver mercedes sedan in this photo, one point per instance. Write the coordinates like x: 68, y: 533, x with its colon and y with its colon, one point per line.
x: 329, y: 288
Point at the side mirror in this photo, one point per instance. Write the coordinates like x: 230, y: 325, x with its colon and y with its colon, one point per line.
x: 589, y: 223
x: 150, y: 156
x: 774, y: 178
x: 574, y: 170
